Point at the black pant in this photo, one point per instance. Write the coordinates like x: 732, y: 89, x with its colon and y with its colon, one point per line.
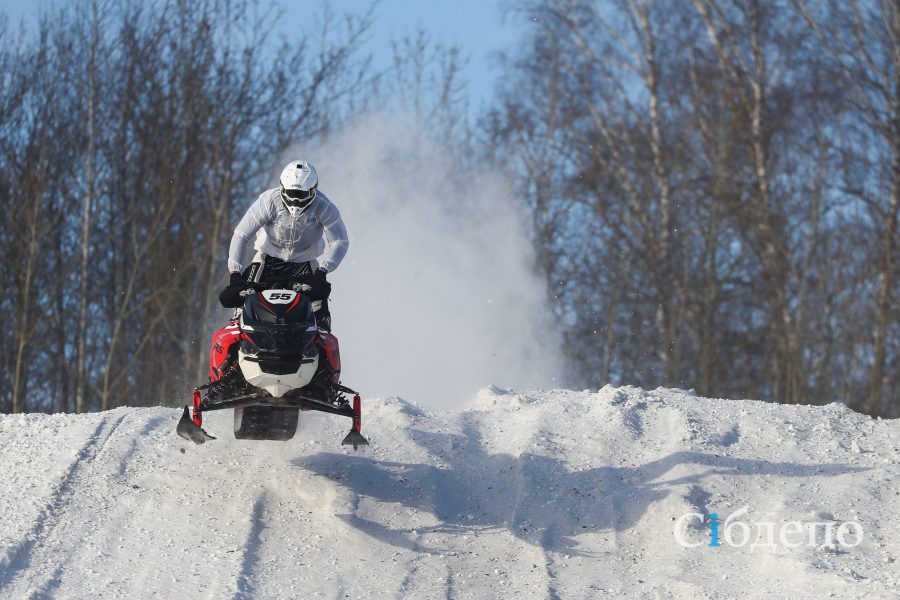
x: 280, y: 272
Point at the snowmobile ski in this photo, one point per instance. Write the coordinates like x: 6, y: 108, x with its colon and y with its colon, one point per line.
x: 191, y: 431
x: 190, y: 425
x: 355, y: 438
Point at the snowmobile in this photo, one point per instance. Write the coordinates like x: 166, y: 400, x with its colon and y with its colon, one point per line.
x: 270, y: 362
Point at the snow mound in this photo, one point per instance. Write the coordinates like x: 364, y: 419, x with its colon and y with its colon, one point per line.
x: 534, y: 494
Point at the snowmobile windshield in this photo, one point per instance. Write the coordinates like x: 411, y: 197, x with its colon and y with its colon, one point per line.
x: 279, y: 328
x: 287, y: 339
x: 257, y: 312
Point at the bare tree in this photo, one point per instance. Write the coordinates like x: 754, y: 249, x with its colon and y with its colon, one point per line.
x: 862, y: 40
x: 701, y: 138
x: 132, y: 135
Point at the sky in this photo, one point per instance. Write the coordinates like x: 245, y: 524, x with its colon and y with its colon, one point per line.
x: 478, y: 27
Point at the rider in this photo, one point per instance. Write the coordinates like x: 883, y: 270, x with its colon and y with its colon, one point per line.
x: 301, y: 233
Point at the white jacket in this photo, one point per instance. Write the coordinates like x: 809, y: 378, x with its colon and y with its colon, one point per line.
x: 294, y: 240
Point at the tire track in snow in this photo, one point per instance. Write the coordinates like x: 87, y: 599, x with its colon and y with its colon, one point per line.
x: 608, y: 509
x: 136, y: 441
x: 465, y: 483
x: 286, y: 528
x: 521, y: 500
x: 429, y: 572
x: 52, y: 518
x: 246, y: 585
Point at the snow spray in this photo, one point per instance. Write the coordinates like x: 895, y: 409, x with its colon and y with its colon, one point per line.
x: 437, y: 296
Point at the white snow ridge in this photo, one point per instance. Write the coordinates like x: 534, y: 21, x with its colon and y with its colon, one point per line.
x: 542, y: 494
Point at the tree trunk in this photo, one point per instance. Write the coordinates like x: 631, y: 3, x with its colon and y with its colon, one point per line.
x: 884, y: 308
x: 80, y: 369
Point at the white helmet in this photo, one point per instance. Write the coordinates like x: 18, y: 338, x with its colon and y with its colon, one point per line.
x: 299, y: 182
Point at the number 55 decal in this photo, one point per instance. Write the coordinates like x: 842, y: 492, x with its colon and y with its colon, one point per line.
x: 279, y: 296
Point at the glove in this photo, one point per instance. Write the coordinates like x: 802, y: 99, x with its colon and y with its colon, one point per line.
x: 318, y: 286
x: 233, y: 294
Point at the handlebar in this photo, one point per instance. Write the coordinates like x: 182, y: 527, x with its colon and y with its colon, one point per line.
x: 253, y: 287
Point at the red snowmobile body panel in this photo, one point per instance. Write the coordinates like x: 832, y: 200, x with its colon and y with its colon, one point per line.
x: 330, y: 352
x: 223, y: 342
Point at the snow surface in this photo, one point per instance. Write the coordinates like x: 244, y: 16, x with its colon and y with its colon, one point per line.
x: 540, y: 494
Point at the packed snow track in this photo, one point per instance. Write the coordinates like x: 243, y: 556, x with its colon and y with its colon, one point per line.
x: 544, y: 494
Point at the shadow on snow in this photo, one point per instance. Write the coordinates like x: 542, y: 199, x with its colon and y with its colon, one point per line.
x: 536, y: 498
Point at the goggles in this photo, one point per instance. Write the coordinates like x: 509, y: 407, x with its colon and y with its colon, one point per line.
x: 298, y: 196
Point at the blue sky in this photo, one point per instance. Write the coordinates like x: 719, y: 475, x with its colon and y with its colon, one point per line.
x: 478, y: 27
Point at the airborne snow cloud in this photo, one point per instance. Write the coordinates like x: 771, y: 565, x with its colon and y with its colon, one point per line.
x: 437, y: 297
